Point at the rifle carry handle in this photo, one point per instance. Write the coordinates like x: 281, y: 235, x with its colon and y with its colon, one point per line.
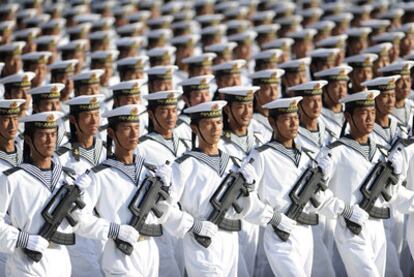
x: 204, y: 241
x: 124, y: 247
x: 33, y: 255
x: 353, y: 227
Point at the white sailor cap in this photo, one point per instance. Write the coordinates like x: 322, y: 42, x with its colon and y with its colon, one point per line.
x: 159, y: 34
x: 209, y: 19
x: 190, y: 39
x: 283, y: 7
x: 239, y: 93
x: 101, y: 35
x: 391, y: 14
x: 360, y: 9
x: 10, y: 106
x: 291, y: 20
x: 166, y: 52
x: 328, y: 54
x: 47, y: 40
x: 164, y: 72
x: 43, y: 120
x: 267, y: 76
x: 78, y: 44
x: 36, y: 20
x: 85, y: 103
x: 381, y: 49
x: 29, y: 33
x: 7, y: 25
x: 126, y: 113
x: 309, y: 88
x: 198, y: 3
x: 338, y: 41
x: 225, y: 47
x: 281, y: 43
x: 393, y: 37
x: 107, y: 56
x: 132, y: 63
x: 341, y: 18
x: 226, y: 5
x: 271, y: 55
x: 126, y: 42
x: 140, y: 16
x: 214, y: 30
x: 161, y: 21
x: 131, y: 28
x: 131, y: 87
x: 364, y: 98
x: 338, y: 73
x: 26, y: 14
x: 361, y: 60
x: 236, y: 11
x: 63, y: 66
x: 245, y: 37
x: 172, y: 7
x: 186, y: 25
x: 54, y: 23
x: 74, y: 10
x: 162, y: 98
x: 311, y: 12
x: 296, y: 65
x: 267, y: 28
x: 197, y: 83
x: 376, y: 23
x: 230, y: 67
x: 333, y: 7
x: 103, y: 23
x: 283, y: 105
x: 88, y: 77
x: 49, y: 91
x: 240, y: 25
x: 18, y: 80
x: 81, y: 29
x: 407, y: 28
x: 382, y: 83
x: 263, y: 16
x: 203, y: 59
x: 397, y: 68
x: 120, y: 11
x: 323, y: 26
x: 36, y: 57
x: 14, y: 48
x: 210, y: 109
x: 9, y: 7
x: 87, y: 18
x: 358, y: 32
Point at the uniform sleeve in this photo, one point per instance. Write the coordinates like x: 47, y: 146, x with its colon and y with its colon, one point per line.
x: 403, y: 200
x: 8, y: 233
x: 330, y: 206
x: 89, y: 225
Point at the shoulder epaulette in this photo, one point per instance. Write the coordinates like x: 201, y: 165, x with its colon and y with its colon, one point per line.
x: 10, y: 171
x: 262, y: 148
x: 99, y: 167
x: 69, y: 171
x: 182, y: 158
x: 62, y: 150
x: 334, y: 144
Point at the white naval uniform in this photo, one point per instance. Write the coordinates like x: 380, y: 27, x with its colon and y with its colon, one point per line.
x: 405, y: 117
x: 409, y: 151
x: 240, y: 147
x: 363, y: 254
x: 333, y: 121
x: 8, y: 160
x: 323, y: 232
x: 108, y: 189
x: 23, y: 195
x: 183, y: 128
x: 156, y: 150
x: 85, y: 254
x: 260, y: 126
x: 278, y: 169
x: 196, y: 176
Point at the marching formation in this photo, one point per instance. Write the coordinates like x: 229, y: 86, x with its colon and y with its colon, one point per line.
x: 206, y: 138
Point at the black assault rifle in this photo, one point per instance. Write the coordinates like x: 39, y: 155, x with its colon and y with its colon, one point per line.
x: 377, y: 183
x: 301, y: 194
x: 148, y: 195
x: 232, y: 187
x: 62, y: 204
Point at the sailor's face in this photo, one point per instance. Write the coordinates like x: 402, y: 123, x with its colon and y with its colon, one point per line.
x: 337, y: 90
x: 88, y: 122
x: 166, y: 116
x: 240, y: 113
x: 9, y: 126
x: 126, y: 135
x: 211, y: 130
x: 127, y: 100
x: 91, y: 89
x: 403, y: 87
x: 47, y: 105
x: 360, y: 75
x: 311, y: 106
x: 132, y: 75
x: 160, y: 85
x: 45, y: 141
x: 198, y: 97
x: 362, y: 121
x: 267, y: 93
x: 286, y: 125
x: 385, y: 102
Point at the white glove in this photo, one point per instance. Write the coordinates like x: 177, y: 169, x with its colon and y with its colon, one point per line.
x: 128, y: 234
x: 164, y: 172
x: 326, y: 164
x: 37, y: 243
x: 204, y: 228
x: 397, y: 160
x: 283, y: 222
x: 355, y: 214
x: 249, y: 173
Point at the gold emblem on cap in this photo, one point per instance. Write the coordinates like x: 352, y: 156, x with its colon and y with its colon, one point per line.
x: 93, y: 100
x: 13, y: 105
x: 50, y: 118
x: 134, y: 111
x: 391, y: 82
x: 370, y: 96
x: 215, y: 107
x: 293, y: 104
x: 171, y: 95
x: 317, y: 86
x: 203, y: 81
x: 54, y: 89
x: 25, y: 78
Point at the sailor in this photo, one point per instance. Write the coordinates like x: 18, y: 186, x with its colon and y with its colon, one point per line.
x: 16, y: 87
x: 362, y: 70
